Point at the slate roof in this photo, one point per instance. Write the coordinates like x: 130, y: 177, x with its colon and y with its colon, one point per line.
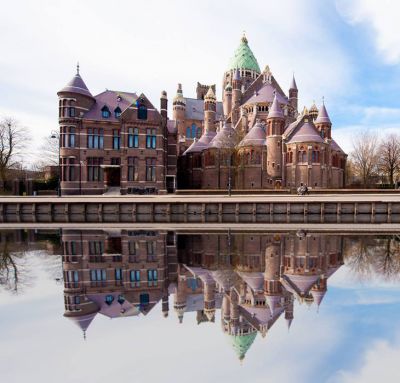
x: 307, y: 132
x: 110, y: 99
x: 275, y: 110
x: 323, y: 116
x: 255, y: 137
x: 225, y: 138
x: 266, y: 94
x: 76, y: 85
x: 195, y: 109
x: 202, y: 143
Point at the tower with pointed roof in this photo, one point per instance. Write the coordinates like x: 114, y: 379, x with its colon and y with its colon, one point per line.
x: 293, y: 94
x: 275, y: 129
x: 178, y: 111
x: 209, y: 110
x: 236, y: 96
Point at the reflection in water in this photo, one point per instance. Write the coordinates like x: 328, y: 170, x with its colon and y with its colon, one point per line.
x: 244, y: 282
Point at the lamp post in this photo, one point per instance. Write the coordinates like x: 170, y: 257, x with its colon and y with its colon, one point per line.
x: 229, y: 169
x: 56, y: 135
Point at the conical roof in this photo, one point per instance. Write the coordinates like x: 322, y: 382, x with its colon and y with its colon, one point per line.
x: 242, y: 343
x: 83, y: 322
x: 225, y: 138
x: 275, y: 110
x: 306, y: 133
x: 179, y: 95
x: 323, y: 117
x: 255, y: 137
x: 244, y: 58
x: 76, y: 85
x: 318, y: 296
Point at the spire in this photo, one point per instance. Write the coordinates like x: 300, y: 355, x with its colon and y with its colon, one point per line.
x: 289, y: 323
x: 77, y: 68
x: 293, y: 84
x: 275, y: 110
x: 210, y: 95
x: 179, y: 96
x: 243, y: 57
x: 323, y: 117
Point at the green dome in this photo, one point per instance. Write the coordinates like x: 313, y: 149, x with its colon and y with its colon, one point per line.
x: 242, y: 343
x: 244, y: 58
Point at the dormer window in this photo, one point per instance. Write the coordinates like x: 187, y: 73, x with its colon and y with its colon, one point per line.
x: 117, y: 112
x: 105, y: 112
x: 142, y: 110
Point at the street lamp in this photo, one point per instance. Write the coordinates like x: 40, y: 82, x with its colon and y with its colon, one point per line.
x: 56, y: 135
x: 229, y: 169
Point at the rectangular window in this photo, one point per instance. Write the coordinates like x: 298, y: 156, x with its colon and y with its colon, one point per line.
x: 150, y: 248
x: 135, y: 275
x: 71, y: 111
x: 150, y: 169
x: 118, y: 274
x: 132, y: 247
x: 98, y: 275
x: 116, y: 139
x: 133, y: 137
x: 133, y: 169
x: 95, y: 138
x: 152, y: 277
x: 71, y: 168
x: 94, y: 169
x: 151, y: 138
x: 96, y: 247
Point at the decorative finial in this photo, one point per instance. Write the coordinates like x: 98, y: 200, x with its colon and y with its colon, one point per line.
x: 77, y: 68
x: 244, y: 38
x: 323, y: 100
x: 84, y: 331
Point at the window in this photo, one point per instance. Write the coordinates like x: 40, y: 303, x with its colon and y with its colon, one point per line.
x: 105, y: 112
x: 199, y: 132
x: 144, y: 299
x: 152, y: 277
x: 150, y: 169
x: 98, y: 275
x: 96, y: 247
x: 142, y: 110
x: 109, y: 299
x: 115, y: 161
x: 71, y: 170
x: 133, y: 168
x: 67, y: 137
x: 134, y: 277
x: 94, y: 169
x: 132, y: 247
x: 150, y: 247
x: 77, y: 300
x: 118, y: 274
x: 117, y: 112
x: 71, y: 111
x: 315, y: 156
x: 116, y: 139
x: 188, y: 132
x: 95, y: 138
x: 151, y: 138
x: 133, y: 137
x: 302, y: 156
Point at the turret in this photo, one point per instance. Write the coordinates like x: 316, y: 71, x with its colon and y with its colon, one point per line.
x: 272, y: 284
x: 164, y: 105
x: 165, y: 305
x: 74, y: 98
x: 209, y: 110
x: 289, y: 309
x: 180, y: 299
x: 323, y: 122
x: 275, y: 128
x: 209, y: 300
x: 228, y: 99
x: 236, y: 96
x: 313, y: 112
x: 293, y: 94
x: 178, y: 110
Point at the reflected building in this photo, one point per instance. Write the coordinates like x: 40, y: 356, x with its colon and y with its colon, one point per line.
x: 251, y: 280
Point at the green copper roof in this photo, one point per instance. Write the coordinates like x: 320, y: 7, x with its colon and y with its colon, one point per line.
x: 241, y: 343
x: 244, y: 58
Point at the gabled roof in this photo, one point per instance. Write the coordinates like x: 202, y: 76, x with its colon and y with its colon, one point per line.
x: 76, y: 85
x: 244, y: 58
x: 202, y: 143
x: 225, y: 138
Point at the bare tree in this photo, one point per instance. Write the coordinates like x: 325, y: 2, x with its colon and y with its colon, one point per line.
x: 364, y: 157
x: 13, y: 139
x: 389, y: 157
x: 48, y: 155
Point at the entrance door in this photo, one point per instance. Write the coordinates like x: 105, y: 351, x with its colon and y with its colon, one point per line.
x: 170, y: 181
x: 115, y: 177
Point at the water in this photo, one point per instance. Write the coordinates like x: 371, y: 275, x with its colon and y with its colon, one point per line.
x: 147, y: 306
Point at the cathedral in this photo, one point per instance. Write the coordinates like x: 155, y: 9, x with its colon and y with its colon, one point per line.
x: 118, y: 142
x: 255, y: 138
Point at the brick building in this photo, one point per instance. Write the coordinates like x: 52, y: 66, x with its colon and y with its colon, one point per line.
x: 255, y: 138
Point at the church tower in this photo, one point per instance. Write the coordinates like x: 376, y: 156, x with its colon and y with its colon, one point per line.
x: 209, y: 110
x: 178, y: 110
x: 275, y: 128
x: 228, y: 99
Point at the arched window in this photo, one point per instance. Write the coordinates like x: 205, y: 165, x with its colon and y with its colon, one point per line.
x: 199, y: 132
x: 315, y: 156
x: 105, y: 112
x: 188, y: 132
x: 117, y: 112
x: 142, y: 110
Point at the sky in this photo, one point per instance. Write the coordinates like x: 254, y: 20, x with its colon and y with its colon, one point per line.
x: 345, y: 51
x: 350, y: 339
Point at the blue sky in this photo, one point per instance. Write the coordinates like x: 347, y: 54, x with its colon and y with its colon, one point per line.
x: 346, y: 51
x: 352, y: 339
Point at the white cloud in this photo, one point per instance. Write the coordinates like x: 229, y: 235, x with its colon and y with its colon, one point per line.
x: 382, y: 17
x: 379, y: 364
